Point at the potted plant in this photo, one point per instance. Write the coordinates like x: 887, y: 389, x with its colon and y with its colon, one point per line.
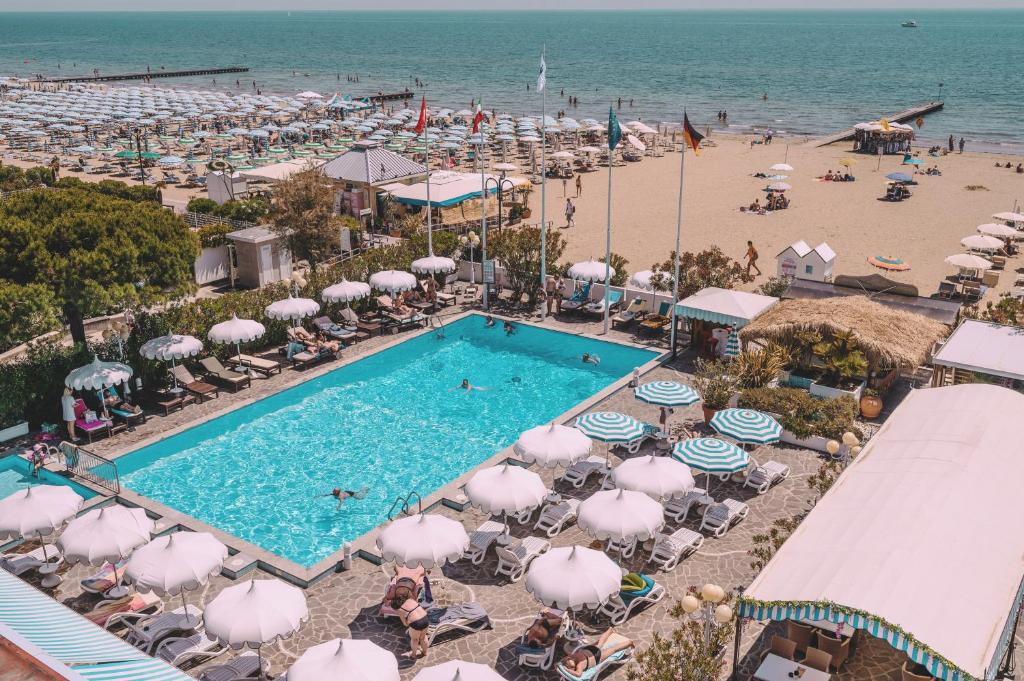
x: 870, y: 404
x: 842, y: 363
x: 801, y: 358
x: 716, y: 383
x: 760, y: 368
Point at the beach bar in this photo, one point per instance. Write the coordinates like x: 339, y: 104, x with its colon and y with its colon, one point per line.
x: 981, y: 352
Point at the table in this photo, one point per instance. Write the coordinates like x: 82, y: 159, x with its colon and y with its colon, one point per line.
x: 369, y: 327
x: 775, y: 668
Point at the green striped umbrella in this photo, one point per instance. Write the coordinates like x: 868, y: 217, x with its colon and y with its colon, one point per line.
x: 732, y: 345
x: 710, y: 455
x: 747, y: 426
x: 666, y: 394
x: 610, y: 426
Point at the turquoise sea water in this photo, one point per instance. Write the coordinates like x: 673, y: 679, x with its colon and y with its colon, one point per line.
x: 391, y: 423
x: 821, y: 70
x: 15, y: 474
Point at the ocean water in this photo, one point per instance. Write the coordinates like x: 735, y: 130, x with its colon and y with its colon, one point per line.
x: 821, y: 70
x: 391, y: 423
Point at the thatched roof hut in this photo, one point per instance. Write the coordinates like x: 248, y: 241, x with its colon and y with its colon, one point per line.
x: 887, y: 337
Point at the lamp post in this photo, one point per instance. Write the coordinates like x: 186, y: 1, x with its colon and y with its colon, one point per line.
x: 470, y: 240
x: 138, y: 150
x: 500, y: 184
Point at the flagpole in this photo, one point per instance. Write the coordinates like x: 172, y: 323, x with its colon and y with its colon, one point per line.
x: 426, y: 143
x: 543, y: 186
x: 679, y: 229
x: 483, y: 213
x: 608, y: 232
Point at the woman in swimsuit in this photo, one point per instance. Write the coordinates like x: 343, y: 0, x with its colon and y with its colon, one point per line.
x: 590, y: 656
x: 414, y: 619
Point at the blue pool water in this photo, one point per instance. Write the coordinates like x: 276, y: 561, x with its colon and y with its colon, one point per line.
x: 15, y: 474
x: 390, y: 422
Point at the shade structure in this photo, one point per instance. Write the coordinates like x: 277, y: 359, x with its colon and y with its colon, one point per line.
x: 255, y: 613
x: 37, y: 511
x: 781, y: 168
x: 105, y: 534
x: 573, y: 578
x: 292, y: 308
x: 642, y: 279
x: 967, y: 261
x: 393, y: 281
x: 711, y: 455
x: 97, y: 375
x: 610, y: 426
x: 656, y: 476
x: 345, y: 291
x: 345, y: 660
x: 236, y: 330
x: 899, y: 177
x: 591, y: 270
x: 457, y: 670
x: 553, y: 445
x: 425, y: 539
x: 433, y: 264
x: 725, y: 306
x: 1000, y: 230
x: 1008, y: 217
x: 621, y: 514
x: 174, y: 563
x: 506, y: 489
x: 779, y: 187
x: 981, y: 242
x: 666, y: 394
x: 747, y: 425
x: 890, y: 263
x: 171, y: 347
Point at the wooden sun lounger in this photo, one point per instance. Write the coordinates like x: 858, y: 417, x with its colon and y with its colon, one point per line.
x: 267, y: 367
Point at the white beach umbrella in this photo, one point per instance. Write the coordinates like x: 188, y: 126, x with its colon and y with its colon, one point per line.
x: 433, y: 264
x: 506, y: 489
x: 345, y: 660
x: 393, y: 281
x: 345, y: 291
x: 38, y: 511
x: 506, y: 167
x: 563, y: 155
x: 236, y: 331
x: 590, y: 270
x: 103, y: 535
x: 781, y: 168
x: 780, y: 186
x: 1008, y: 217
x: 171, y: 347
x: 425, y: 539
x: 176, y: 563
x: 97, y: 375
x: 457, y: 670
x: 642, y: 280
x: 981, y: 242
x: 966, y: 261
x: 553, y: 445
x: 1000, y: 230
x: 573, y: 578
x: 292, y: 308
x: 656, y: 476
x: 621, y: 514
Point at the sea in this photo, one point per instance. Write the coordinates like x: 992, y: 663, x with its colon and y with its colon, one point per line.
x: 796, y: 72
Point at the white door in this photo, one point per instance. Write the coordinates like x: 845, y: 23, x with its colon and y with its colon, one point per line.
x: 266, y: 264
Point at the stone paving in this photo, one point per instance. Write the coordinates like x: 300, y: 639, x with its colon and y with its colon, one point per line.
x: 346, y: 604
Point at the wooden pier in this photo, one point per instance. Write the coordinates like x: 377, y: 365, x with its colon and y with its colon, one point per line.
x: 902, y: 117
x: 146, y: 75
x: 392, y: 96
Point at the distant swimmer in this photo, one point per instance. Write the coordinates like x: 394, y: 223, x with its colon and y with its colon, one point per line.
x: 509, y: 328
x: 590, y: 359
x: 490, y: 321
x: 341, y: 495
x: 467, y: 386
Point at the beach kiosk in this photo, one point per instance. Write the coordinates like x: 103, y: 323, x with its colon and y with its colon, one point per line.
x: 360, y: 175
x: 260, y: 256
x: 800, y: 261
x: 715, y: 312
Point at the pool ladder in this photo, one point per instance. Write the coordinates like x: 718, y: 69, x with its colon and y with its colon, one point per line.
x: 435, y: 322
x: 403, y: 505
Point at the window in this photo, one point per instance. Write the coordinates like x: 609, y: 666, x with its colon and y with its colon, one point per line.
x: 808, y: 269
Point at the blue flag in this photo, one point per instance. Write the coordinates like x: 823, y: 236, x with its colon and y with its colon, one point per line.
x: 614, y: 131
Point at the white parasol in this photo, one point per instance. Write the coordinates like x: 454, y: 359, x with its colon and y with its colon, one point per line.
x: 98, y: 375
x: 553, y: 445
x: 345, y: 291
x: 345, y: 660
x: 423, y: 539
x: 292, y: 308
x: 393, y: 281
x: 104, y: 535
x: 590, y: 270
x: 657, y: 476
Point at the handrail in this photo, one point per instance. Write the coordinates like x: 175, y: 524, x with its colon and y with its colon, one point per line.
x: 404, y: 504
x: 90, y: 466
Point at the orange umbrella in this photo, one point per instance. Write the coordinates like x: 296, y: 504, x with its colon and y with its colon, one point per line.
x: 888, y: 262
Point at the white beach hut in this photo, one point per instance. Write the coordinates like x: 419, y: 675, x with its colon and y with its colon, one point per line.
x: 800, y: 261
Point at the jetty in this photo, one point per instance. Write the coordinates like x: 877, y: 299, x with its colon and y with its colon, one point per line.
x: 901, y: 117
x: 391, y: 96
x: 146, y: 75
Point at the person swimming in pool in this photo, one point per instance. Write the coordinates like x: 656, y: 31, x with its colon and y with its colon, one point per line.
x: 467, y: 386
x: 590, y: 359
x: 490, y: 322
x: 509, y: 328
x: 342, y: 494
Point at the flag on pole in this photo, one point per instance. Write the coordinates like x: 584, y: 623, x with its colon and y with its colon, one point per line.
x: 478, y: 119
x: 542, y: 77
x: 690, y: 134
x: 614, y: 130
x: 421, y: 124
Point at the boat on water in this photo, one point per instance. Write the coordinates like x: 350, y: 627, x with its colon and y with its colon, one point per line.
x: 909, y: 24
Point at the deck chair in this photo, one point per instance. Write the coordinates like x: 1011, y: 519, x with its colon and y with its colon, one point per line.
x: 718, y: 518
x: 597, y: 307
x: 677, y: 509
x: 480, y: 540
x: 89, y: 427
x: 245, y: 666
x: 468, y: 618
x: 631, y: 313
x: 657, y: 323
x: 554, y: 517
x: 669, y: 549
x: 617, y: 658
x: 145, y: 632
x: 539, y: 657
x: 349, y: 318
x: 197, y: 648
x: 201, y: 389
x: 333, y: 330
x: 579, y: 298
x: 132, y: 603
x: 234, y: 379
x: 266, y: 367
x: 633, y: 446
x: 20, y: 563
x: 515, y: 559
x: 761, y: 477
x: 638, y: 591
x: 578, y: 473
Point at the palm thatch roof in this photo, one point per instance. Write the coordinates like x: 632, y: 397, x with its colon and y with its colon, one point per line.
x: 888, y: 337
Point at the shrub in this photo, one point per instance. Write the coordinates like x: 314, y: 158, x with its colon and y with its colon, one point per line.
x: 803, y: 414
x: 213, y: 235
x: 619, y: 265
x: 201, y: 205
x: 775, y: 287
x: 758, y: 368
x: 715, y: 381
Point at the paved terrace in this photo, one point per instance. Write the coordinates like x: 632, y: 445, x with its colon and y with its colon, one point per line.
x: 346, y: 604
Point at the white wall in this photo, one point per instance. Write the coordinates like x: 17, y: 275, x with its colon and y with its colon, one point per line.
x: 212, y: 265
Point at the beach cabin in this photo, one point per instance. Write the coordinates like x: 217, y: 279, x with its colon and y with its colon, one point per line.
x: 261, y: 257
x: 800, y: 261
x: 360, y: 174
x: 223, y: 187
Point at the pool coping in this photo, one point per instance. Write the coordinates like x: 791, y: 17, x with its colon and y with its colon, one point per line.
x: 246, y: 556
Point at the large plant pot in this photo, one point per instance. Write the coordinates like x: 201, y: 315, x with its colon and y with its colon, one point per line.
x: 870, y: 406
x: 709, y: 414
x: 17, y: 430
x: 826, y: 391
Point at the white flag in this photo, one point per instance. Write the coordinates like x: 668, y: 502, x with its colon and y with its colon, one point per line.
x: 542, y: 77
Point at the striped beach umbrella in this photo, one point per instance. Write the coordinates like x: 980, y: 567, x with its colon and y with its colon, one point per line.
x: 610, y: 426
x: 666, y: 394
x: 710, y: 455
x: 747, y: 426
x: 732, y: 345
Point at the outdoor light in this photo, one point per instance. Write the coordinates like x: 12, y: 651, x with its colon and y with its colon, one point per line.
x: 690, y: 604
x: 850, y: 440
x: 832, y: 447
x: 712, y: 593
x: 723, y: 614
x: 855, y: 450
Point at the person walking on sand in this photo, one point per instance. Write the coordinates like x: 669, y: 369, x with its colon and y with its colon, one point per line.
x: 962, y: 143
x: 570, y: 212
x: 752, y: 258
x: 579, y: 185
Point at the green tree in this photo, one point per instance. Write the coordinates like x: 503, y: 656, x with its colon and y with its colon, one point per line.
x: 687, y: 653
x: 25, y: 312
x: 710, y: 267
x: 303, y: 214
x: 519, y: 253
x: 94, y: 252
x: 619, y: 265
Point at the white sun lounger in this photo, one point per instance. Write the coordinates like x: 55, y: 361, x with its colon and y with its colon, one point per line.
x: 677, y: 509
x: 19, y: 563
x: 634, y: 310
x: 481, y: 539
x: 624, y: 547
x: 146, y: 631
x: 555, y: 517
x: 515, y: 559
x: 245, y: 666
x: 619, y: 611
x: 669, y: 549
x: 578, y: 473
x: 621, y: 657
x: 763, y: 476
x: 468, y: 618
x: 633, y: 446
x: 718, y: 518
x: 178, y: 650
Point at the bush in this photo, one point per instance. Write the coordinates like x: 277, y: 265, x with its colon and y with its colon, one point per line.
x: 775, y: 287
x: 243, y: 210
x: 803, y: 414
x: 619, y: 265
x: 201, y: 205
x: 213, y: 235
x: 715, y: 382
x: 13, y: 178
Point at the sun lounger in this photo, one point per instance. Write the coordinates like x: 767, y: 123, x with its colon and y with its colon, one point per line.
x: 467, y: 618
x: 554, y: 517
x: 129, y: 418
x: 200, y: 389
x: 579, y: 298
x: 718, y: 518
x: 266, y: 367
x: 650, y: 431
x: 677, y: 509
x: 136, y: 602
x: 515, y: 559
x: 616, y: 658
x: 481, y: 539
x: 245, y: 666
x: 657, y: 323
x: 539, y: 657
x: 306, y: 358
x: 645, y: 591
x: 578, y: 473
x: 326, y: 325
x: 216, y: 370
x: 197, y: 648
x: 90, y: 427
x: 632, y: 313
x: 762, y: 477
x: 669, y: 549
x: 103, y: 580
x: 410, y: 577
x: 145, y: 632
x: 169, y: 401
x: 597, y: 307
x: 19, y: 563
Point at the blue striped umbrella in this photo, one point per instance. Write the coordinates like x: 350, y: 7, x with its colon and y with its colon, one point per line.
x: 732, y: 345
x: 666, y: 394
x: 710, y: 455
x: 747, y: 426
x: 610, y: 426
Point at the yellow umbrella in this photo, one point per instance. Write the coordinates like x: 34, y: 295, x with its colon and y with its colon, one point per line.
x: 848, y: 162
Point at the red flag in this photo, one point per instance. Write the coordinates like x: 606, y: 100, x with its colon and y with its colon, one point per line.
x: 477, y: 119
x: 422, y: 122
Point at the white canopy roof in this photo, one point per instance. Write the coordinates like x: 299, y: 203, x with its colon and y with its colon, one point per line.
x: 447, y: 188
x: 725, y: 306
x: 921, y: 532
x: 985, y: 347
x: 281, y: 171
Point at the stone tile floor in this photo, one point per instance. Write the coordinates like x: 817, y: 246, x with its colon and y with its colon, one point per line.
x: 346, y: 604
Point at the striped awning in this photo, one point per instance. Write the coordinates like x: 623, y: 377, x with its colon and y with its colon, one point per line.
x: 666, y: 394
x: 611, y: 426
x: 724, y: 306
x: 73, y: 640
x: 710, y: 455
x: 747, y: 425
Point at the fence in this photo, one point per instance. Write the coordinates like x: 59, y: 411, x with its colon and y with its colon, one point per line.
x: 197, y: 220
x: 91, y: 467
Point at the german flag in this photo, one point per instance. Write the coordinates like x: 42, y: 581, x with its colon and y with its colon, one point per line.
x: 691, y: 135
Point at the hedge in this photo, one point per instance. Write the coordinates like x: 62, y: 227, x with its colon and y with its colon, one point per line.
x: 803, y: 414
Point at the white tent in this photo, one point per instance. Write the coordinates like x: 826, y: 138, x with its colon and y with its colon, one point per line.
x: 985, y: 348
x: 447, y: 188
x: 893, y: 549
x: 276, y: 172
x: 725, y: 306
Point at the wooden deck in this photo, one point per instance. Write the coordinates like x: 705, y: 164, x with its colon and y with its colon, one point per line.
x: 901, y: 117
x: 148, y: 75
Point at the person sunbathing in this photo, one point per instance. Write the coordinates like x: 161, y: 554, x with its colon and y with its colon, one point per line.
x: 543, y: 631
x: 755, y: 206
x: 301, y: 334
x: 591, y: 656
x: 829, y: 176
x: 323, y: 344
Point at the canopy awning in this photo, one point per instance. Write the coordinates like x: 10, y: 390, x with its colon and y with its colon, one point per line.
x: 724, y: 306
x: 276, y: 172
x: 448, y: 188
x: 918, y: 542
x: 986, y: 348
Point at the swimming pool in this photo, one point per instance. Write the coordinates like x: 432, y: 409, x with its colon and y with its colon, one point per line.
x: 16, y: 473
x: 392, y: 422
